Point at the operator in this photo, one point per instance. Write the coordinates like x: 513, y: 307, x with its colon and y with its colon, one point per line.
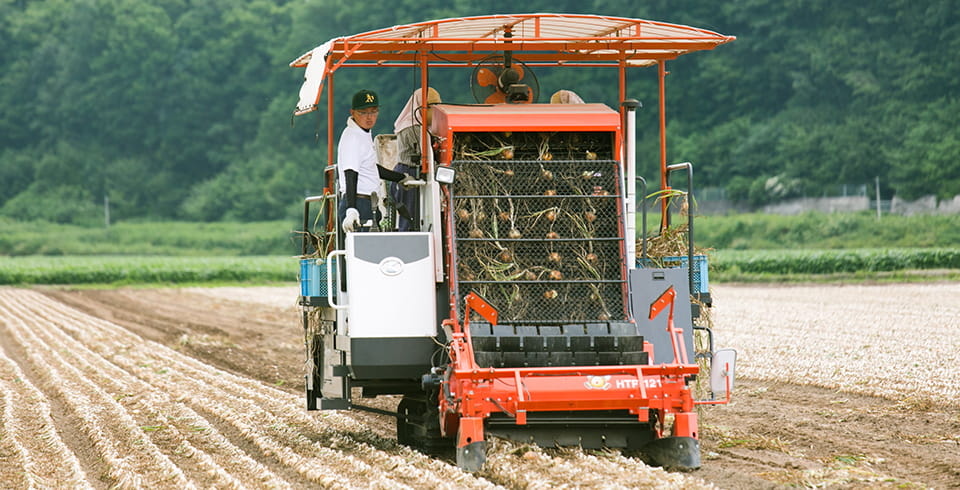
x: 407, y: 127
x: 565, y: 97
x: 357, y: 166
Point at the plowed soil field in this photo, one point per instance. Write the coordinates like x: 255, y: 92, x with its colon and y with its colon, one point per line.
x: 838, y: 386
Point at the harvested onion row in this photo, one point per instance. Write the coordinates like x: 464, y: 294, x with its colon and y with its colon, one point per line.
x: 164, y: 424
x: 43, y: 459
x: 252, y: 406
x: 131, y: 460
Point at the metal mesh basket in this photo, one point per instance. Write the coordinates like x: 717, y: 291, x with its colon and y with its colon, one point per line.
x: 540, y: 240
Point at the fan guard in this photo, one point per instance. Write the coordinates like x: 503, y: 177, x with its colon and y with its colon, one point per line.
x: 499, y: 80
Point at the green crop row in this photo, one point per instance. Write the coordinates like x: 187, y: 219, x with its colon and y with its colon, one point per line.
x: 150, y: 238
x: 145, y: 269
x: 833, y: 261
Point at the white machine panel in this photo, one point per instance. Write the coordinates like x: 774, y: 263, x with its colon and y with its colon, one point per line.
x: 391, y: 285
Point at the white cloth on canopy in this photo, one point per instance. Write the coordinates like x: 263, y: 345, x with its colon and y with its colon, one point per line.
x: 313, y: 77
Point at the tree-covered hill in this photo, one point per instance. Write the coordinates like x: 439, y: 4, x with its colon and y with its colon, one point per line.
x: 180, y: 109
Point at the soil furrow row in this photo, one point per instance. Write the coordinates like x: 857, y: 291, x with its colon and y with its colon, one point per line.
x: 251, y: 406
x: 29, y: 437
x: 203, y: 453
x: 132, y: 461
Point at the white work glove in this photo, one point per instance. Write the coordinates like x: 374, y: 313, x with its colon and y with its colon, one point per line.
x: 406, y: 181
x: 352, y: 220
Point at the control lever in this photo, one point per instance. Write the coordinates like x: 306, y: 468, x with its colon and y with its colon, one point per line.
x: 374, y: 206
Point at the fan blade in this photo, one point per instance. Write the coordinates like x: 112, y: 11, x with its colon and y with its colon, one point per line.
x: 519, y: 68
x: 496, y: 98
x: 486, y: 77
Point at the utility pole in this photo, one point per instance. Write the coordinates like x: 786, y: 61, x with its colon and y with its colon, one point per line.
x: 877, y: 182
x: 106, y: 211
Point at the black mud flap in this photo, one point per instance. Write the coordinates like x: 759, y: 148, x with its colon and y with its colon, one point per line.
x: 472, y: 456
x: 676, y: 453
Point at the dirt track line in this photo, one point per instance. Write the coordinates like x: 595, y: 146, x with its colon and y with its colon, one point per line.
x: 43, y: 460
x: 266, y: 416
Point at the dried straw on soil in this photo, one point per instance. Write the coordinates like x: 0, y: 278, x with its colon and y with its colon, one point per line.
x: 158, y: 418
x: 854, y: 338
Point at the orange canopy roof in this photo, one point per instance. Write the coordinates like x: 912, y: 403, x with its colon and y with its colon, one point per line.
x: 561, y: 37
x: 543, y: 39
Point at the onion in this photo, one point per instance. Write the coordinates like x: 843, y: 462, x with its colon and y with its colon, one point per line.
x: 550, y: 192
x: 504, y: 216
x: 546, y: 173
x: 592, y: 258
x: 463, y: 214
x: 590, y: 216
x: 507, y: 154
x: 550, y: 293
x: 530, y: 275
x: 554, y: 257
x: 514, y: 233
x: 552, y: 235
x: 506, y: 256
x: 476, y: 233
x: 591, y: 155
x: 556, y: 275
x: 551, y: 215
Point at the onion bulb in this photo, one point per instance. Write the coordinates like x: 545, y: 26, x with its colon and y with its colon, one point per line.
x: 506, y: 256
x: 476, y: 233
x: 550, y: 294
x: 463, y: 214
x: 556, y: 275
x: 514, y: 233
x: 554, y: 257
x: 552, y: 235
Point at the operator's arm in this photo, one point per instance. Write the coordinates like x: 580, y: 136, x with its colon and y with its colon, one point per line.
x: 351, y: 188
x: 390, y: 175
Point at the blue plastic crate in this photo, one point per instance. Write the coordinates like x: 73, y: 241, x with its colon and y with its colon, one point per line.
x: 701, y: 280
x: 313, y: 277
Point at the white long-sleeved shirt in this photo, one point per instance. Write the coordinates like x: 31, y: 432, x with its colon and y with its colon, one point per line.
x: 355, y: 151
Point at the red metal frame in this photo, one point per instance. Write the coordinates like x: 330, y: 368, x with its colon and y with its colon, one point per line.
x: 471, y: 394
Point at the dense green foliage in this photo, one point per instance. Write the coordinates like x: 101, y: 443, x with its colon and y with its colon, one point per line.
x: 145, y: 270
x: 181, y: 110
x: 220, y: 239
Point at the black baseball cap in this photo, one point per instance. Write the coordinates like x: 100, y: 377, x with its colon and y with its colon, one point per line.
x: 365, y: 98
